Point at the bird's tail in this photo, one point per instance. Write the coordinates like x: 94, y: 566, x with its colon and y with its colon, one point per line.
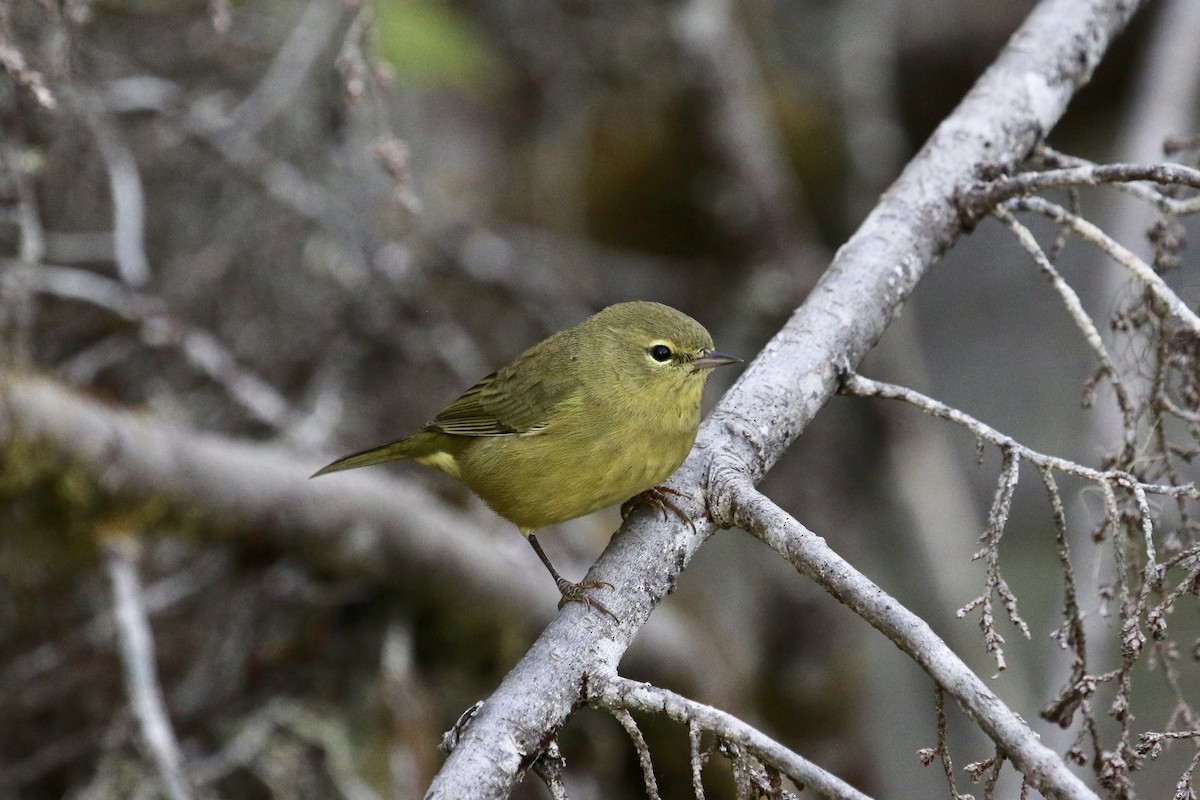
x: 412, y: 447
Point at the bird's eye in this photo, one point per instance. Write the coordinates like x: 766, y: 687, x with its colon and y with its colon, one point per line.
x: 660, y: 353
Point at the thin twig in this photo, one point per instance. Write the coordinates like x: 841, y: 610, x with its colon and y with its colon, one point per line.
x: 697, y: 758
x: 808, y: 553
x: 1183, y: 788
x: 550, y: 767
x: 141, y: 675
x: 1138, y: 179
x: 615, y: 692
x: 942, y: 750
x: 1072, y: 633
x: 159, y: 328
x: 994, y: 582
x: 858, y: 386
x: 639, y: 744
x: 1075, y: 308
x: 308, y: 41
x: 12, y: 64
x: 125, y: 187
x: 1115, y: 250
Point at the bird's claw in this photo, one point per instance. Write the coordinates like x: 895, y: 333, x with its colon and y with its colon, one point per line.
x: 577, y: 593
x: 658, y: 497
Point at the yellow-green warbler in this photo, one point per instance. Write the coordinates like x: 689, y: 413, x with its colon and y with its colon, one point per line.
x: 592, y: 416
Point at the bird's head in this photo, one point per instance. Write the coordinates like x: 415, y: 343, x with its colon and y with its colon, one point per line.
x: 652, y: 348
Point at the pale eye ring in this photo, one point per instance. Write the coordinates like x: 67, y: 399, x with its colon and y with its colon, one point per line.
x: 660, y: 353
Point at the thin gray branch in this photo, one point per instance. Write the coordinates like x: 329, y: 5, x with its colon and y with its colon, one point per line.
x: 643, y: 751
x: 141, y: 675
x: 203, y: 350
x: 12, y: 64
x: 125, y: 187
x: 550, y: 768
x: 811, y: 556
x: 697, y: 758
x: 614, y: 692
x: 1115, y: 250
x: 1074, y: 305
x: 309, y: 39
x: 859, y: 386
x: 1141, y: 180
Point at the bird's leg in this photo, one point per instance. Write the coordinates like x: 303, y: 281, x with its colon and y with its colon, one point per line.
x: 572, y: 592
x: 658, y: 497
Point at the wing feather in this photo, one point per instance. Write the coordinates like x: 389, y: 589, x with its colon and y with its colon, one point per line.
x: 516, y: 399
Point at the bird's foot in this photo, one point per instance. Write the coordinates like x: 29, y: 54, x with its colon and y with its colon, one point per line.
x: 659, y: 497
x: 577, y: 593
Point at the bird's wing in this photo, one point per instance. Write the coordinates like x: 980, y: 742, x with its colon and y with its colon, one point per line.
x: 507, y: 402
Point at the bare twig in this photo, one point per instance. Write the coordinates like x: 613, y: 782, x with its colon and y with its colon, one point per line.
x: 12, y: 64
x: 308, y: 41
x: 859, y: 386
x: 550, y: 768
x: 1133, y: 603
x: 614, y: 692
x: 1137, y: 179
x: 125, y: 186
x: 643, y: 750
x: 1151, y: 743
x: 993, y: 767
x: 697, y: 758
x: 1072, y: 633
x: 141, y: 675
x: 1115, y: 250
x: 809, y: 554
x: 942, y: 750
x: 159, y: 328
x: 450, y: 737
x: 1082, y: 319
x: 1183, y: 788
x: 994, y: 582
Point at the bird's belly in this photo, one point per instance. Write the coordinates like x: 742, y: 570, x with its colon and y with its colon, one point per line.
x: 542, y: 479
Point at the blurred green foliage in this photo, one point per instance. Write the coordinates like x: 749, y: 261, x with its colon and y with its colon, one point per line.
x: 430, y: 41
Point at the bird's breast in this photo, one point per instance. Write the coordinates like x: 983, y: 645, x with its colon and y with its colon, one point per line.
x: 587, y: 459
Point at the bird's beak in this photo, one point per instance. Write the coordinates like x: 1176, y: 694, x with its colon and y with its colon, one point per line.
x: 711, y: 358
